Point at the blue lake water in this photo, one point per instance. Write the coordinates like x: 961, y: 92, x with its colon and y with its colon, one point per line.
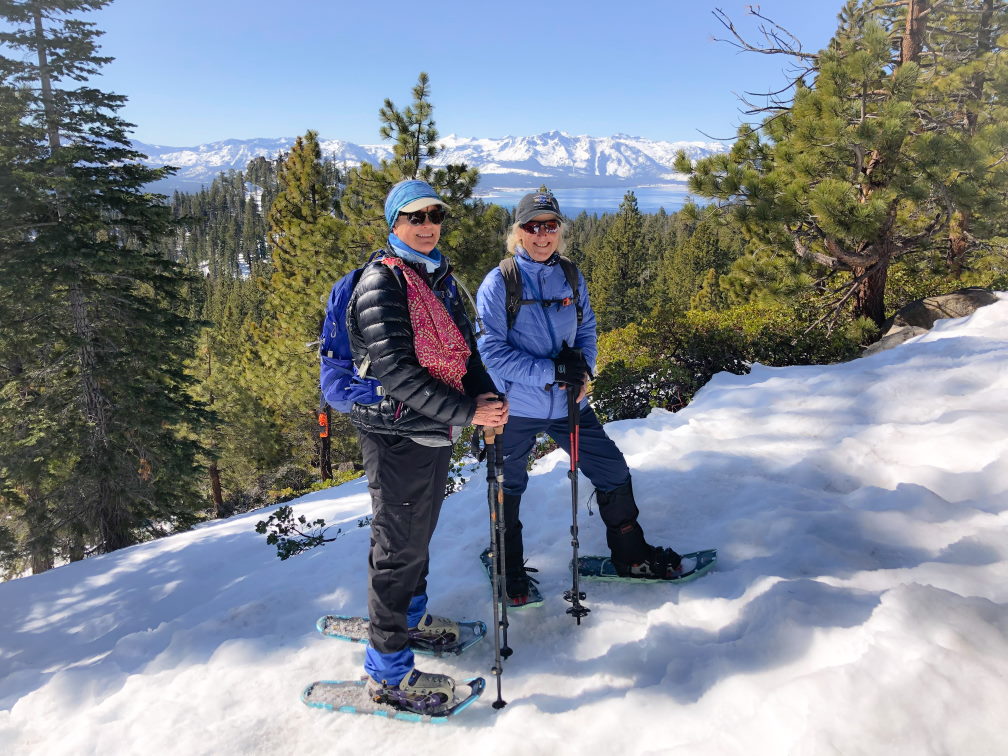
x: 598, y: 200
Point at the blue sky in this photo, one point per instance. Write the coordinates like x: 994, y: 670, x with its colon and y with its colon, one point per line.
x: 201, y: 70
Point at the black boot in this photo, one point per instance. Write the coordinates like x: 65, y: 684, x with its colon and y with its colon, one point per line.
x: 516, y: 580
x: 631, y: 554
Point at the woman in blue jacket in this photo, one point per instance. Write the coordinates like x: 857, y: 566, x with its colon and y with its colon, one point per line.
x: 544, y: 353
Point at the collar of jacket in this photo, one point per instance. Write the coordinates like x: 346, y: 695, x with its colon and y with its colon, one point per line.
x: 551, y: 260
x: 435, y: 278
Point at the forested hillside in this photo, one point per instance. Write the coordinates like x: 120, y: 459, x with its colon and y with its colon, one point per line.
x: 158, y: 356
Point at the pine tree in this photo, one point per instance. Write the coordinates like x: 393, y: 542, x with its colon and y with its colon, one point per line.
x: 963, y: 60
x: 703, y: 249
x: 415, y: 135
x: 281, y: 366
x: 253, y: 243
x: 617, y: 288
x: 28, y: 398
x: 877, y: 159
x: 124, y: 466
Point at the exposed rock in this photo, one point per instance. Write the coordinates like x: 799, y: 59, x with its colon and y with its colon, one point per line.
x: 894, y: 337
x: 924, y: 312
x: 920, y: 315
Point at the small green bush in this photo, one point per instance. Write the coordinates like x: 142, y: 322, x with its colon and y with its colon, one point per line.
x: 664, y: 361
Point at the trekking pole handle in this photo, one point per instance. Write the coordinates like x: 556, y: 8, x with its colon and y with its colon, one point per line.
x: 489, y: 433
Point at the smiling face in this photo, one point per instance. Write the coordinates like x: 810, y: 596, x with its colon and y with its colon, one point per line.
x: 541, y: 245
x: 422, y: 238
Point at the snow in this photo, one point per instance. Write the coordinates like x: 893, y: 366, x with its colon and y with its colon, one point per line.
x: 556, y: 155
x: 860, y: 604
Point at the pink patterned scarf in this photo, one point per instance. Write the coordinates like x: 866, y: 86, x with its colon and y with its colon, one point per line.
x: 439, y: 344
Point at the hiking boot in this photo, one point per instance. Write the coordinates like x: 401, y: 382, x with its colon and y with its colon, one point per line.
x: 521, y: 587
x: 624, y: 535
x: 419, y: 692
x: 627, y: 544
x: 663, y: 564
x: 434, y: 631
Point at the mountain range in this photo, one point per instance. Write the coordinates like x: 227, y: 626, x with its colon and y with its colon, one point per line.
x: 555, y: 158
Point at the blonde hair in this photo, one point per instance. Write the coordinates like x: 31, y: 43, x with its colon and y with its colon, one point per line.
x: 512, y: 239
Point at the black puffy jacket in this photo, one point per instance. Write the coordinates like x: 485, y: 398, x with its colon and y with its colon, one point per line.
x: 416, y: 404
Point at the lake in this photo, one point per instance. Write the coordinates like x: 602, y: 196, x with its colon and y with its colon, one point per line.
x: 598, y: 200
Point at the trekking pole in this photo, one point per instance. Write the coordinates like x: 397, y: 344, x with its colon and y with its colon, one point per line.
x: 495, y: 500
x: 574, y: 595
x: 498, y: 456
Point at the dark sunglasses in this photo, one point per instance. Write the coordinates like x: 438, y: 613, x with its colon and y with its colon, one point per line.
x: 533, y: 227
x: 419, y: 217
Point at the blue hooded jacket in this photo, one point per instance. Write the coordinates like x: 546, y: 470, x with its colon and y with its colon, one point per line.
x: 520, y: 361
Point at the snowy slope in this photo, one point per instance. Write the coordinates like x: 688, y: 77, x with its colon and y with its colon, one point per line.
x: 860, y: 605
x: 558, y: 158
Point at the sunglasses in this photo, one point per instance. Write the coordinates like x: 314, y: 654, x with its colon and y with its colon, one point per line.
x: 534, y: 227
x: 419, y: 217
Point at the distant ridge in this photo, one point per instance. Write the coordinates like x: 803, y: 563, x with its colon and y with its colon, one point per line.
x: 556, y: 158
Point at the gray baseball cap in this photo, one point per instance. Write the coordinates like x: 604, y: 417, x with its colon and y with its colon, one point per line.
x: 535, y: 204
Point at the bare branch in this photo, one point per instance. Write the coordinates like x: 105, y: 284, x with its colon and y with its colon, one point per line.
x: 780, y: 40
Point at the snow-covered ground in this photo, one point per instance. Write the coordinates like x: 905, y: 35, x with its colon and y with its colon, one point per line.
x: 860, y: 605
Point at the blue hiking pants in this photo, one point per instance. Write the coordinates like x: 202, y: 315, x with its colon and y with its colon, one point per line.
x: 599, y: 458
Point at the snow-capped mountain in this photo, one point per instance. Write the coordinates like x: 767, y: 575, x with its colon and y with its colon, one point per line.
x: 556, y: 158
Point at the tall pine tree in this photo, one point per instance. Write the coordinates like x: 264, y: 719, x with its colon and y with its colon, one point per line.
x: 617, y: 268
x: 894, y: 149
x: 125, y: 465
x: 306, y: 256
x: 471, y: 231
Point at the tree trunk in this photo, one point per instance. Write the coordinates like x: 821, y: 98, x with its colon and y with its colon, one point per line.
x: 77, y: 549
x: 215, y: 490
x: 112, y: 515
x: 985, y: 44
x: 40, y: 532
x: 869, y: 296
x: 48, y: 102
x: 913, y: 32
x: 958, y: 244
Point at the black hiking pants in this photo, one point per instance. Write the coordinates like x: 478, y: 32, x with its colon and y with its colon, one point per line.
x: 407, y: 485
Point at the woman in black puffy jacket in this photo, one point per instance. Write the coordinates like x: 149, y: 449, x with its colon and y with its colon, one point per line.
x: 409, y: 330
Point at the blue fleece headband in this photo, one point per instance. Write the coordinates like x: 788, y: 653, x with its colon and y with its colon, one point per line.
x: 406, y: 192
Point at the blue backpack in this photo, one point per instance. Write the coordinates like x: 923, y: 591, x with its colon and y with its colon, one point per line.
x: 342, y: 384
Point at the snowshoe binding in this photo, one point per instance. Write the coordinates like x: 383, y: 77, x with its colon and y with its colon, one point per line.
x: 434, y: 632
x: 663, y: 564
x: 418, y: 692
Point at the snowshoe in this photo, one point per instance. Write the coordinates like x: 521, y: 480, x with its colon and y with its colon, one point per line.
x: 531, y: 596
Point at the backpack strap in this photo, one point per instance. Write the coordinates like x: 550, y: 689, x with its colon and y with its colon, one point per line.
x: 513, y: 301
x: 512, y: 288
x: 570, y: 270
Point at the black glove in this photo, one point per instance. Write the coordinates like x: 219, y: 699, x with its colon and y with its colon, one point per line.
x: 570, y: 367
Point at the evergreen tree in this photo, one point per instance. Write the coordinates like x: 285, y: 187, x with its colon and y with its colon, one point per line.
x: 469, y: 229
x: 617, y: 268
x: 884, y: 154
x: 29, y: 444
x: 962, y: 58
x: 706, y: 248
x: 281, y: 367
x: 109, y: 376
x: 253, y: 246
